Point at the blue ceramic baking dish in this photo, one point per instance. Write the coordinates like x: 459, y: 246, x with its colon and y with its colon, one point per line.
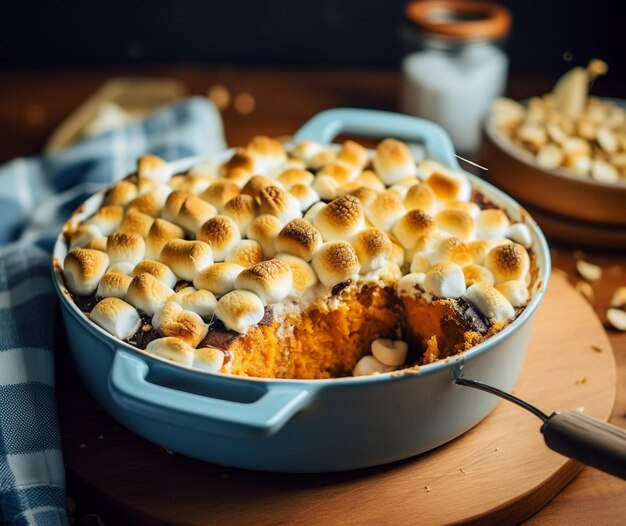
x: 304, y: 425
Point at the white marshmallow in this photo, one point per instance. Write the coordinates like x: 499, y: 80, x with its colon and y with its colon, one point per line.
x: 264, y: 230
x: 122, y: 267
x: 393, y: 161
x: 515, y: 291
x: 270, y: 280
x: 83, y: 268
x: 173, y: 349
x: 172, y: 320
x: 113, y: 284
x: 373, y: 248
x: 520, y: 233
x: 489, y: 301
x: 302, y: 274
x: 491, y: 224
x: 208, y: 359
x: 116, y: 317
x: 305, y: 195
x: 306, y: 150
x: 125, y: 246
x: 159, y: 270
x: 326, y: 187
x: 154, y: 168
x: 385, y: 210
x: 202, y: 302
x: 83, y: 235
x: 239, y: 310
x: 370, y: 365
x: 312, y: 212
x: 410, y: 284
x: 107, y: 219
x: 218, y: 278
x: 390, y: 352
x: 147, y: 293
x: 445, y: 280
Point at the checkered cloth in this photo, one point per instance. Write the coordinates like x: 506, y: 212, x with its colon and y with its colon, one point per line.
x: 36, y: 196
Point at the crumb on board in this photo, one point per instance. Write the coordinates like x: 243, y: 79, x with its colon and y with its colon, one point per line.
x: 427, y: 488
x: 580, y: 381
x: 462, y: 470
x: 497, y: 449
x: 596, y: 348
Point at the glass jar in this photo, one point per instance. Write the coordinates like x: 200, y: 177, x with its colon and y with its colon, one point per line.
x: 454, y: 66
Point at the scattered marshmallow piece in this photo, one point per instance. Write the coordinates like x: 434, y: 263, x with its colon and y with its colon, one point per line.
x: 370, y: 365
x: 619, y: 297
x: 588, y: 271
x: 390, y: 352
x: 617, y: 318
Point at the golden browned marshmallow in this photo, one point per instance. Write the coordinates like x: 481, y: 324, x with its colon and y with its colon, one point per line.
x: 172, y: 205
x: 313, y: 211
x: 116, y: 317
x: 508, y: 262
x: 193, y: 213
x: 305, y: 195
x: 302, y: 274
x: 372, y: 247
x: 489, y: 301
x: 220, y: 192
x: 125, y: 246
x: 354, y: 154
x: 202, y: 301
x: 122, y: 267
x: 385, y: 210
x: 107, y: 219
x: 172, y: 349
x: 449, y: 185
x: 326, y: 187
x: 491, y: 223
x: 239, y: 310
x: 176, y: 181
x: 422, y: 197
x: 154, y: 168
x: 98, y: 243
x: 280, y: 203
x: 479, y: 249
x: 397, y: 254
x: 147, y: 293
x: 83, y: 234
x: 445, y: 280
x: 239, y: 176
x: 456, y: 223
x: 296, y: 176
x: 146, y: 185
x: 172, y: 320
x: 137, y: 223
x: 306, y: 150
x: 453, y: 250
x: 369, y: 179
x: 340, y: 171
x: 241, y: 159
x: 196, y: 184
x: 463, y: 206
x: 413, y: 226
x: 121, y: 194
x: 245, y: 253
x: 151, y: 202
x: 270, y: 280
x: 393, y: 161
x: 113, y: 284
x: 264, y: 230
x: 364, y: 194
x: 208, y: 359
x: 256, y: 183
x: 209, y: 169
x: 186, y: 258
x: 83, y: 268
x: 222, y: 233
x: 520, y: 233
x: 474, y: 273
x: 300, y: 238
x: 157, y: 269
x: 242, y: 210
x: 340, y: 219
x: 335, y: 262
x: 218, y: 278
x: 159, y: 234
x: 268, y: 154
x: 515, y: 291
x: 322, y: 158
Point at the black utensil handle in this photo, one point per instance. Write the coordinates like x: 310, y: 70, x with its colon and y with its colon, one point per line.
x: 588, y: 440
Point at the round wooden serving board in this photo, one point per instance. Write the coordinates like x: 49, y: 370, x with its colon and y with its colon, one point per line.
x: 498, y: 472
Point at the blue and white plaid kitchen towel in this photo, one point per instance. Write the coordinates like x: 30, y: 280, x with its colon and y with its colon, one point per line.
x: 36, y: 196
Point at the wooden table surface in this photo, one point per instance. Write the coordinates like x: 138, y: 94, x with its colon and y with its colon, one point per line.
x: 33, y: 102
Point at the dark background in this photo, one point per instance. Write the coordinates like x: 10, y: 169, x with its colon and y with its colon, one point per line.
x: 288, y: 32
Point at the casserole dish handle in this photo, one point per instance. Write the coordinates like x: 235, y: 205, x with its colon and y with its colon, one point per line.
x: 130, y: 387
x: 327, y: 125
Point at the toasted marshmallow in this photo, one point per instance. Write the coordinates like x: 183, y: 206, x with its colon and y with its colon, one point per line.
x: 340, y: 171
x: 322, y: 158
x: 218, y: 278
x: 151, y: 202
x: 172, y: 205
x: 107, y: 219
x: 125, y: 246
x: 449, y: 185
x: 326, y: 187
x: 208, y: 359
x: 335, y: 262
x: 220, y: 192
x: 393, y: 161
x: 410, y: 283
x: 456, y: 223
x: 208, y: 169
x: 491, y: 223
x: 294, y: 176
x: 489, y: 301
x: 397, y: 253
x: 98, y: 243
x: 147, y: 293
x: 300, y: 238
x: 385, y: 210
x: 268, y: 154
x: 302, y: 274
x: 364, y: 194
x: 121, y: 194
x: 353, y: 154
x: 241, y: 159
x: 202, y: 302
x: 305, y: 195
x: 245, y: 253
x: 172, y: 349
x: 256, y: 183
x: 520, y: 234
x: 340, y: 219
x: 280, y: 203
x: 445, y: 280
x: 508, y: 262
x: 154, y: 168
x: 453, y: 250
x: 370, y: 365
x: 515, y: 291
x: 193, y: 213
x: 222, y: 233
x: 270, y: 280
x: 159, y: 270
x: 195, y: 183
x: 369, y: 179
x: 172, y: 320
x: 421, y: 196
x: 313, y: 211
x: 83, y: 235
x: 122, y: 267
x: 462, y: 206
x: 419, y: 263
x: 116, y: 317
x: 83, y: 268
x: 373, y: 247
x: 474, y: 273
x: 242, y: 210
x: 413, y: 226
x: 306, y: 150
x: 239, y: 176
x: 239, y: 310
x: 390, y: 352
x: 113, y: 284
x: 479, y: 248
x: 159, y: 234
x: 137, y: 223
x: 186, y: 258
x: 264, y: 230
